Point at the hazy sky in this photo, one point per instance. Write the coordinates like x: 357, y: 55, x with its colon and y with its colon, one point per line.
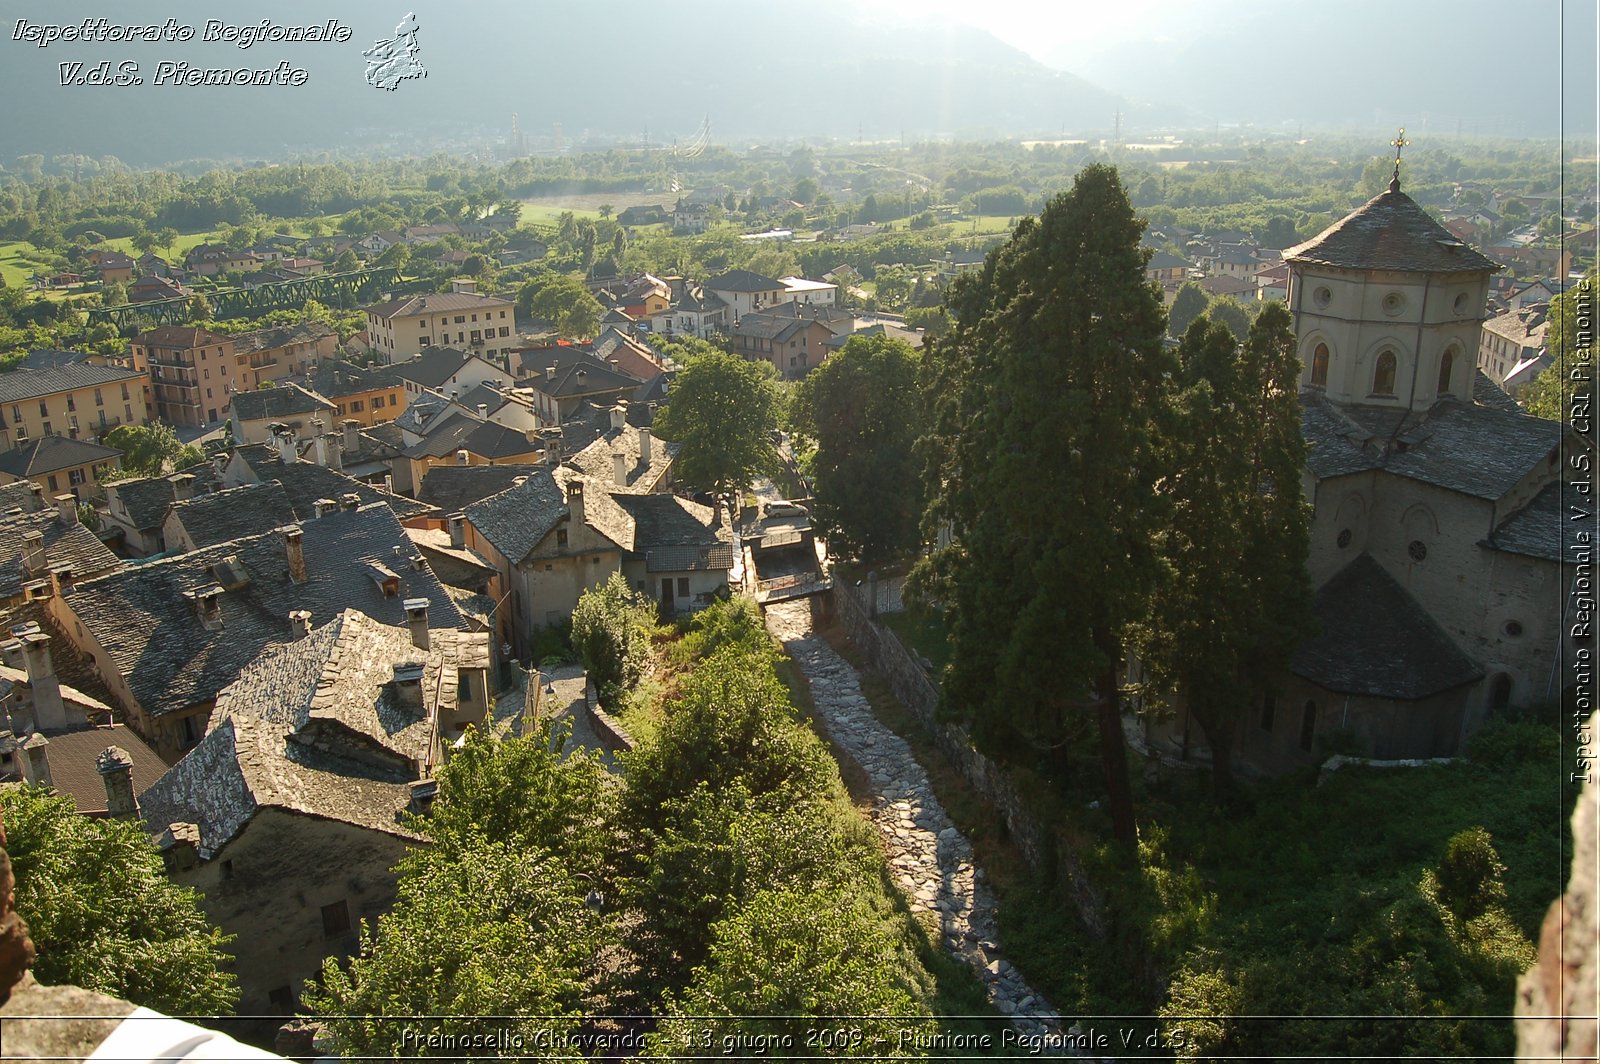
x: 1062, y: 31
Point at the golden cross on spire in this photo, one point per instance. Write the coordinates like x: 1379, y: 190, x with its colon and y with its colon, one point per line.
x: 1398, y: 144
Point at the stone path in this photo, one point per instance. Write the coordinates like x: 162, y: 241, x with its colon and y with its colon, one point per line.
x: 931, y: 860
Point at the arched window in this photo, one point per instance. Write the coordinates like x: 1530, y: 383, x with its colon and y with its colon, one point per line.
x: 1500, y: 691
x: 1319, y: 366
x: 1446, y: 364
x: 1383, y: 377
x: 1308, y: 725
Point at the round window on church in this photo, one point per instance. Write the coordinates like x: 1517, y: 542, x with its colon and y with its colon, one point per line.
x: 1394, y: 303
x: 1322, y: 297
x: 1344, y: 538
x: 1418, y: 550
x: 1513, y: 629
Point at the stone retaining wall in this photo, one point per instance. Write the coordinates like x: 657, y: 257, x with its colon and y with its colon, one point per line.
x: 608, y: 729
x: 1043, y: 849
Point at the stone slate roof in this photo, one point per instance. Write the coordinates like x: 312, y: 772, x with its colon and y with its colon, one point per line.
x: 73, y: 667
x: 72, y: 770
x: 184, y: 337
x: 1390, y: 232
x: 436, y: 303
x: 596, y: 462
x: 306, y: 482
x: 490, y: 440
x: 1485, y: 392
x: 1539, y: 528
x: 64, y: 544
x: 234, y: 513
x: 569, y: 363
x: 446, y: 435
x: 432, y: 367
x: 674, y: 534
x: 153, y: 635
x: 49, y: 454
x: 48, y: 359
x: 457, y: 567
x: 17, y: 494
x: 20, y: 385
x: 1377, y: 641
x: 282, y: 336
x: 452, y: 488
x: 1481, y: 451
x: 515, y: 520
x: 743, y: 281
x: 336, y: 379
x: 283, y: 400
x: 146, y: 499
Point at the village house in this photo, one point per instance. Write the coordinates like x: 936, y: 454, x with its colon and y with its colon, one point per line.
x: 44, y: 550
x: 745, y: 293
x: 812, y: 293
x: 192, y: 373
x: 194, y: 522
x: 154, y: 287
x: 1513, y: 351
x: 563, y: 377
x: 364, y: 394
x: 170, y: 634
x: 74, y: 400
x: 791, y: 337
x: 266, y: 355
x: 286, y: 816
x: 115, y: 266
x: 255, y: 413
x: 445, y: 369
x: 696, y: 312
x: 405, y: 326
x: 58, y: 464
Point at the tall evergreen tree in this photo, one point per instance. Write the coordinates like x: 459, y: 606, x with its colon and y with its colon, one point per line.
x: 1237, y: 597
x: 1043, y: 463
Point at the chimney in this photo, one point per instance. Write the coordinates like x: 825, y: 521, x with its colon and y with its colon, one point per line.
x: 33, y: 553
x: 180, y: 847
x: 483, y: 411
x: 295, y: 548
x: 644, y: 447
x: 417, y: 619
x: 321, y: 444
x: 619, y: 416
x: 219, y: 463
x: 408, y: 682
x: 116, y: 770
x: 288, y: 453
x: 49, y: 712
x: 324, y: 506
x: 36, y: 761
x: 11, y: 653
x: 208, y: 606
x: 299, y: 624
x: 462, y: 458
x: 619, y: 468
x: 316, y: 426
x: 61, y: 579
x: 182, y: 486
x: 458, y: 530
x: 575, y: 500
x: 352, y: 436
x: 349, y: 501
x: 335, y: 455
x: 67, y: 508
x: 35, y: 498
x: 549, y: 373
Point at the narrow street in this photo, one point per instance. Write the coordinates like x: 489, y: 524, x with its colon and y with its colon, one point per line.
x: 931, y: 860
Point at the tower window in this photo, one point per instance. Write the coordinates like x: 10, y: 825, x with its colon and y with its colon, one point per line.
x: 1446, y: 364
x: 1383, y: 377
x: 1319, y: 366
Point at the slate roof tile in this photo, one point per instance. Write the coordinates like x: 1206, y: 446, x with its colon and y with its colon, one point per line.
x: 1390, y: 232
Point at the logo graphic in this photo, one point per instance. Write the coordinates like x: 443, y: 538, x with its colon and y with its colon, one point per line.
x: 395, y: 60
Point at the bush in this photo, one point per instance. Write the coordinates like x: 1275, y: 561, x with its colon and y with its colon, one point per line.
x: 611, y: 631
x: 1469, y: 877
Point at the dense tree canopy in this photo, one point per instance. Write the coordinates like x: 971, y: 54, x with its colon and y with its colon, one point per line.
x: 863, y: 408
x: 151, y: 450
x: 722, y: 416
x: 102, y: 913
x: 1044, y: 464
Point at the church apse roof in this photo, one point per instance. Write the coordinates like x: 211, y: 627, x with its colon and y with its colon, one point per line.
x: 1390, y: 232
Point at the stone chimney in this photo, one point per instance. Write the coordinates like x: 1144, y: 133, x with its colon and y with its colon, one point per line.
x: 219, y: 463
x: 619, y: 468
x: 549, y: 373
x: 11, y: 653
x: 299, y: 624
x: 182, y: 486
x: 352, y: 436
x: 35, y: 499
x: 575, y: 500
x: 462, y: 457
x: 116, y: 769
x: 61, y: 579
x: 67, y: 508
x: 483, y: 411
x: 34, y: 559
x: 619, y: 417
x: 49, y: 712
x: 34, y: 761
x: 458, y: 531
x: 417, y: 620
x: 350, y: 501
x: 208, y: 606
x: 644, y: 447
x: 283, y: 442
x: 294, y: 547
